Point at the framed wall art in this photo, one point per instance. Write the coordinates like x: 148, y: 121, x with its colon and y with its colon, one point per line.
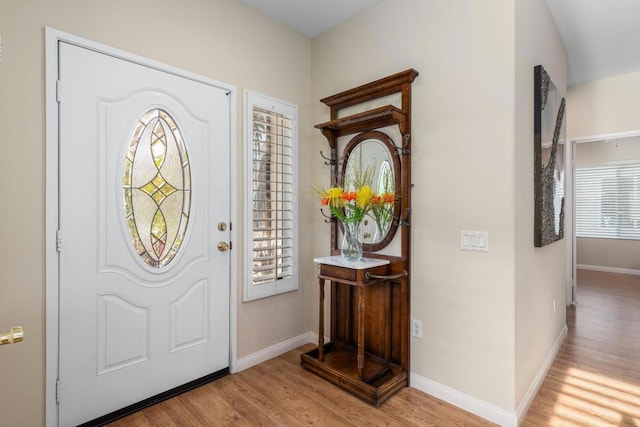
x: 549, y: 146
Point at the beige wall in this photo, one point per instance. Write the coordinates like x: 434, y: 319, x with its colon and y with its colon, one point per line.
x: 472, y: 168
x: 540, y: 272
x: 613, y: 150
x: 220, y: 39
x: 604, y: 106
x: 609, y: 253
x: 598, y: 108
x: 464, y: 163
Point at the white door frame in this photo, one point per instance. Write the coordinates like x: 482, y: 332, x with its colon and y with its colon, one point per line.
x: 571, y: 171
x: 52, y: 37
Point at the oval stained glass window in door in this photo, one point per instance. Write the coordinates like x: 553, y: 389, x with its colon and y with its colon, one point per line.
x: 157, y: 188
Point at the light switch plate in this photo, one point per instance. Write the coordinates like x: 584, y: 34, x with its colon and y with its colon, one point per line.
x: 474, y: 241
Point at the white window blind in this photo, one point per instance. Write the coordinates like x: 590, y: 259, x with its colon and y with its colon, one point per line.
x: 608, y: 201
x: 272, y: 222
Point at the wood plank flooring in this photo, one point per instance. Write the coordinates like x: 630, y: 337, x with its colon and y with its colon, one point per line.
x: 280, y: 392
x: 594, y: 381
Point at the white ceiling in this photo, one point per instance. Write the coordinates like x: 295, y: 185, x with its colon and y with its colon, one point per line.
x: 602, y: 37
x: 310, y: 17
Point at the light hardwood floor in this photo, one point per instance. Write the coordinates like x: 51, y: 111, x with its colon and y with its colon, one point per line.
x: 594, y: 381
x: 280, y: 392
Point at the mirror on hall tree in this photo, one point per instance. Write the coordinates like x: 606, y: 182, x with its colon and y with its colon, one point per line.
x: 370, y: 157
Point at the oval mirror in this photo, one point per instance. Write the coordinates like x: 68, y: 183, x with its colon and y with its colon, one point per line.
x: 370, y: 159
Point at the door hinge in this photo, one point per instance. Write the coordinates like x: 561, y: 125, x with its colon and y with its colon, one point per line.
x: 58, y: 240
x: 58, y: 390
x: 58, y: 90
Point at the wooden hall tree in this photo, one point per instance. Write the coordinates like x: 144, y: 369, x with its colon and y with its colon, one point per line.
x: 368, y: 352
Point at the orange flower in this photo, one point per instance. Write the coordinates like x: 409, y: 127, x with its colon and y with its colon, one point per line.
x: 388, y: 197
x: 324, y: 201
x: 376, y: 199
x: 349, y: 196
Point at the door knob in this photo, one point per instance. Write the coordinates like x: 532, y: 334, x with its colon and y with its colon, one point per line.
x: 15, y: 335
x: 224, y: 246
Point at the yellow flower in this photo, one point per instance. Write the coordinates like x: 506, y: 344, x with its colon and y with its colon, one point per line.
x: 334, y: 196
x: 364, y: 196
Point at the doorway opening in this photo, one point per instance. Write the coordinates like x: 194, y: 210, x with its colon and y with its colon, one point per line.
x: 598, y: 253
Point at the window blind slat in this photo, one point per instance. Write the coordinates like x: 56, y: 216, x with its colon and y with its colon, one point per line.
x: 272, y: 196
x: 608, y: 201
x: 271, y: 189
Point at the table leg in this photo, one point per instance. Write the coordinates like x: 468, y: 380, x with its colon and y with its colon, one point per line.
x: 321, y: 322
x: 360, y: 327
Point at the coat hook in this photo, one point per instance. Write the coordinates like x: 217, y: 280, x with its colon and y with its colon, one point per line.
x: 407, y: 141
x: 329, y: 217
x: 403, y: 222
x: 331, y: 161
x: 403, y: 151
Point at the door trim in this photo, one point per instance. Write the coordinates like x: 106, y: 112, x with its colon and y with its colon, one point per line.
x: 52, y: 38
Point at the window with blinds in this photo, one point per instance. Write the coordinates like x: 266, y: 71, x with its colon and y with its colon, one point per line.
x: 608, y: 201
x: 271, y: 196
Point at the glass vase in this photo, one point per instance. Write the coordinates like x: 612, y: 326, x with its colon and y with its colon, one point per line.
x: 351, y: 249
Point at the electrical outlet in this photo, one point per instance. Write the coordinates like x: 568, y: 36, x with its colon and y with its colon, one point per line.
x: 416, y: 328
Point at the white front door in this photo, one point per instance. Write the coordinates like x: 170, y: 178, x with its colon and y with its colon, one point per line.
x: 144, y: 183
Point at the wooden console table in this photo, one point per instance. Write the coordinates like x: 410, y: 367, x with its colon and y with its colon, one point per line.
x: 346, y: 363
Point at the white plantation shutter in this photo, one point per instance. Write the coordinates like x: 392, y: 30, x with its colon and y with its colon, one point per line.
x: 271, y: 135
x: 608, y: 201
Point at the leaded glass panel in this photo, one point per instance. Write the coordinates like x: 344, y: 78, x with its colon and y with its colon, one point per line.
x: 157, y: 188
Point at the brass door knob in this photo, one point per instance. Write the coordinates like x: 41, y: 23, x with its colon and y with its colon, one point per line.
x: 223, y: 246
x: 15, y: 335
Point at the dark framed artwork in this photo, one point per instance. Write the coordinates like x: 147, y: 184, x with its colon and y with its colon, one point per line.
x: 549, y: 145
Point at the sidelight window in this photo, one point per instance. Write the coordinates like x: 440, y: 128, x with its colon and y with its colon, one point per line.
x: 271, y: 207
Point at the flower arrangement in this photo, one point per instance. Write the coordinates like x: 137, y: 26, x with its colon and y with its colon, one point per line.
x: 353, y: 206
x: 348, y: 207
x: 352, y: 203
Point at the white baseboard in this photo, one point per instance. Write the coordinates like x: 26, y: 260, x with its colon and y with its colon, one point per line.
x: 274, y: 351
x: 468, y: 403
x: 608, y: 269
x: 526, y: 402
x: 486, y: 410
